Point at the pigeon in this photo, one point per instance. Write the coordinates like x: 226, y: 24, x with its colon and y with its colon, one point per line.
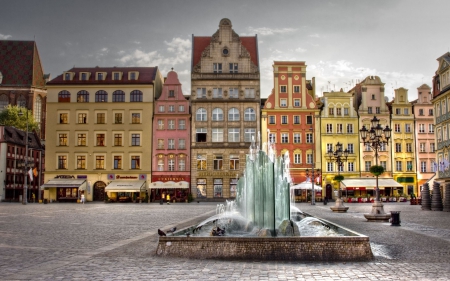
x: 161, y: 233
x: 172, y: 230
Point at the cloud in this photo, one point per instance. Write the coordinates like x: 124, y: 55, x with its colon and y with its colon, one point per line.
x: 300, y: 50
x: 315, y: 35
x: 137, y: 42
x: 268, y: 30
x: 4, y: 37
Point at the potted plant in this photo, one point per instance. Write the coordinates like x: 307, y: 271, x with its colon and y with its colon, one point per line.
x: 106, y: 198
x: 190, y: 198
x: 377, y: 170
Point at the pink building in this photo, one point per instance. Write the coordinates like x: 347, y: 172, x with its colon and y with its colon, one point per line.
x: 171, y: 143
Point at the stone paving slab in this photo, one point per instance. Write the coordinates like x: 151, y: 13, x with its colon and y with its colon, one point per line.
x: 98, y: 241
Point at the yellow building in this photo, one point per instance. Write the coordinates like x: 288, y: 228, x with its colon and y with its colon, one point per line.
x: 403, y: 146
x: 99, y: 132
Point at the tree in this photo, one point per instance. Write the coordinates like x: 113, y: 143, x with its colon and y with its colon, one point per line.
x: 10, y: 117
x: 377, y: 170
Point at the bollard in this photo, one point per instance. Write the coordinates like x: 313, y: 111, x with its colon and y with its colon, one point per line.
x: 395, y: 218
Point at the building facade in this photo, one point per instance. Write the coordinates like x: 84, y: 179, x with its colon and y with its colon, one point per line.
x: 101, y: 120
x: 424, y: 136
x: 22, y: 79
x: 171, y: 142
x: 225, y: 104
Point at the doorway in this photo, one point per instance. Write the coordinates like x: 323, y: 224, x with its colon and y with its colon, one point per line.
x: 99, y: 191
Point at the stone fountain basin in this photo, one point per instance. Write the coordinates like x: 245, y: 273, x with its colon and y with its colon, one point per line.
x: 351, y: 247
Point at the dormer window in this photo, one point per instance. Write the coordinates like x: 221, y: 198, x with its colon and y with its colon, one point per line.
x: 133, y: 75
x: 171, y: 93
x: 100, y: 76
x: 67, y: 76
x: 116, y: 76
x: 84, y: 76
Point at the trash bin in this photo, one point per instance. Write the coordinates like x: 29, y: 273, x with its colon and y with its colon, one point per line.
x: 45, y: 201
x: 161, y: 201
x: 325, y: 201
x: 395, y: 218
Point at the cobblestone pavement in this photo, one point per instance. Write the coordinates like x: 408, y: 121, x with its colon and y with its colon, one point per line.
x: 98, y: 241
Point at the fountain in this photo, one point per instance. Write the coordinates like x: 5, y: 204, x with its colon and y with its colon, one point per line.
x: 262, y: 223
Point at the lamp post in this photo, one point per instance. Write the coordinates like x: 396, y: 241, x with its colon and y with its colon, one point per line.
x: 312, y: 176
x: 25, y: 186
x: 376, y: 137
x: 339, y: 156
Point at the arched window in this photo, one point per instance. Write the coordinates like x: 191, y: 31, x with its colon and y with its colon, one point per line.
x: 201, y: 115
x: 83, y: 96
x: 118, y: 96
x: 249, y: 114
x: 217, y: 114
x: 38, y: 109
x: 64, y: 96
x: 136, y: 96
x: 101, y: 96
x: 233, y: 114
x: 21, y: 101
x: 3, y: 102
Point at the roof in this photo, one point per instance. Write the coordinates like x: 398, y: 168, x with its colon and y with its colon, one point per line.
x: 11, y: 134
x: 146, y: 75
x: 20, y: 64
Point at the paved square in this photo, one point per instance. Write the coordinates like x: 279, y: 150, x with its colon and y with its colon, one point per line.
x: 98, y: 241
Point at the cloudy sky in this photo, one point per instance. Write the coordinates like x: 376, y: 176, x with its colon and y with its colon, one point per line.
x: 340, y: 41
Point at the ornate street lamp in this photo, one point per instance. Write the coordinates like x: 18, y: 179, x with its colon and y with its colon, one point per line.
x: 339, y: 156
x: 25, y: 165
x: 312, y: 176
x: 376, y: 137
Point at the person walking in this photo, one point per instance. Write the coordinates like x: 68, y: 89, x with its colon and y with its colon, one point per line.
x: 82, y: 198
x: 168, y: 199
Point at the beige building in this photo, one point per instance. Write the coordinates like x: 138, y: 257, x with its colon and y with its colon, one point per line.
x: 225, y: 106
x: 100, y: 132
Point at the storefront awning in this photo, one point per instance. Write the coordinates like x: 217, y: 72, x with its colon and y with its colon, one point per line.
x: 168, y: 185
x: 369, y: 183
x: 65, y: 183
x: 126, y: 186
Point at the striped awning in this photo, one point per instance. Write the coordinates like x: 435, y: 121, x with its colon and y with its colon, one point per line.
x: 65, y: 183
x: 168, y: 185
x: 126, y: 186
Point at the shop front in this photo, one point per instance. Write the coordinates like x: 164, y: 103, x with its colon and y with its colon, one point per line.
x: 174, y: 191
x: 126, y: 191
x: 364, y: 189
x: 64, y: 189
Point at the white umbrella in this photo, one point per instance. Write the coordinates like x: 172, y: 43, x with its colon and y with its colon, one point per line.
x: 306, y: 185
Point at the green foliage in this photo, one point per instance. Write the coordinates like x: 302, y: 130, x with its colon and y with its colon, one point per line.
x: 376, y: 170
x: 338, y: 178
x: 190, y: 198
x: 10, y: 117
x: 106, y: 197
x: 146, y: 197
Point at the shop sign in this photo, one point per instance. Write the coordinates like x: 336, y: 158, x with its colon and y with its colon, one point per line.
x: 170, y: 178
x: 81, y: 176
x: 217, y: 174
x: 64, y: 177
x: 125, y: 177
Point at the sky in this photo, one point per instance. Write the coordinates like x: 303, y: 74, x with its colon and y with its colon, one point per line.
x: 341, y: 42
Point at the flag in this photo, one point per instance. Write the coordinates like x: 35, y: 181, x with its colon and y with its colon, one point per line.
x: 35, y: 172
x: 30, y: 174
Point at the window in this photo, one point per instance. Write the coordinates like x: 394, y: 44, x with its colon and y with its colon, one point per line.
x: 377, y: 110
x: 217, y: 114
x: 272, y: 138
x: 296, y: 119
x: 101, y: 96
x: 136, y: 96
x: 297, y: 158
x: 383, y: 164
x: 117, y: 139
x: 100, y: 140
x: 233, y: 67
x: 99, y: 162
x: 408, y: 147
x: 283, y: 102
x: 217, y: 135
x: 118, y: 118
x: 218, y: 159
x: 249, y: 114
x: 367, y: 147
x: 249, y: 134
x: 116, y: 76
x: 367, y: 165
x: 330, y: 166
x: 397, y: 111
x: 170, y: 144
x: 62, y: 139
x: 284, y: 119
x: 331, y: 111
x: 218, y: 186
x: 67, y: 76
x: 4, y: 101
x: 132, y: 75
x: 283, y: 89
x: 135, y: 118
x: 181, y: 164
x: 182, y: 124
x: 160, y: 164
x: 234, y: 93
x: 421, y: 112
x: 271, y: 119
x: 349, y: 128
x: 181, y: 108
x: 373, y: 97
x: 201, y: 93
x: 398, y: 147
x: 160, y: 143
x: 62, y: 162
x: 171, y: 93
x: 201, y: 135
x: 309, y: 158
x: 297, y: 138
x: 234, y: 162
x: 181, y: 144
x: 421, y: 128
x: 422, y: 147
x: 118, y: 96
x: 398, y: 165
x: 430, y: 128
x: 432, y: 147
x: 83, y: 76
x: 201, y: 115
x: 406, y: 111
x: 284, y: 138
x: 135, y: 162
x: 233, y: 135
x: 423, y: 166
x: 309, y: 138
x: 101, y: 118
x: 430, y: 112
x: 63, y: 96
x: 350, y: 148
x: 83, y: 96
x: 135, y: 139
x: 171, y: 108
x: 397, y: 128
x: 339, y: 128
x: 296, y: 89
x: 233, y: 114
x: 81, y: 162
x: 369, y: 110
x: 82, y: 118
x: 160, y: 124
x: 329, y: 128
x: 63, y: 118
x: 329, y: 147
x: 201, y: 162
x: 408, y: 128
x: 351, y: 166
x: 296, y: 102
x: 309, y: 120
x: 161, y: 108
x: 433, y: 166
x: 171, y: 124
x: 217, y: 67
x: 81, y: 140
x: 217, y: 93
x: 117, y: 162
x: 409, y: 166
x: 249, y: 93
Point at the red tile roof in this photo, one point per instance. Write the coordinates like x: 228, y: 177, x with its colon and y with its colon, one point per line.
x: 146, y: 76
x: 20, y: 64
